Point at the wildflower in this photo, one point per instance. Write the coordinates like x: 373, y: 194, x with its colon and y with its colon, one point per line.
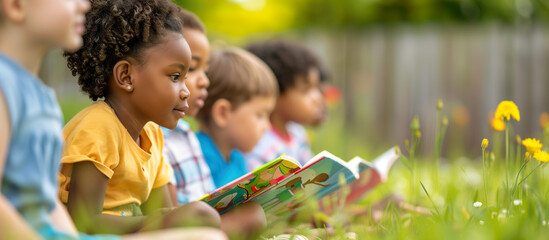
x: 484, y: 143
x: 498, y: 125
x: 440, y: 104
x: 544, y: 120
x: 481, y: 222
x: 397, y: 150
x: 504, y: 211
x: 417, y: 133
x: 406, y: 143
x: 415, y: 123
x: 477, y: 204
x: 517, y: 202
x: 444, y: 121
x: 541, y: 156
x: 506, y: 110
x: 532, y: 145
x: 544, y: 222
x: 332, y: 94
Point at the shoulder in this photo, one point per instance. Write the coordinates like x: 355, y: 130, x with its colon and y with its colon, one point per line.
x: 154, y: 133
x: 96, y: 120
x: 23, y: 92
x: 297, y: 131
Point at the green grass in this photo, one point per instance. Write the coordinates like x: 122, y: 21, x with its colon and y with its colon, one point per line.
x: 449, y: 193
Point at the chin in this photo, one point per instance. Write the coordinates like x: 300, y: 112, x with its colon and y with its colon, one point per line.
x: 73, y: 45
x: 170, y: 125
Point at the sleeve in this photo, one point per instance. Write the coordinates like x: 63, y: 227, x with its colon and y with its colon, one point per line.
x: 94, y: 143
x: 164, y: 172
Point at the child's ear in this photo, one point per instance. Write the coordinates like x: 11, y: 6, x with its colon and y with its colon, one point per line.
x: 14, y: 9
x: 221, y: 112
x: 122, y: 75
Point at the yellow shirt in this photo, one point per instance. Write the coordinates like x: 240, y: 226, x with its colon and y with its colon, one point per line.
x: 97, y: 135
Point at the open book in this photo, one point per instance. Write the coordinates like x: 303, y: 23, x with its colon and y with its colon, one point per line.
x: 275, y: 184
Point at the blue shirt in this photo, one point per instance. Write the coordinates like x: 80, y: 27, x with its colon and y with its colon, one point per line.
x: 222, y: 172
x: 29, y: 180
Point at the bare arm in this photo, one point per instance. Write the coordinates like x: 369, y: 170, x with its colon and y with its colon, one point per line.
x: 12, y: 225
x: 158, y: 199
x: 173, y: 194
x: 85, y: 203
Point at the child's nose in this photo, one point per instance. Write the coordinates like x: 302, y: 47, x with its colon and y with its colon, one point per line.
x: 184, y: 91
x: 317, y: 96
x: 203, y: 80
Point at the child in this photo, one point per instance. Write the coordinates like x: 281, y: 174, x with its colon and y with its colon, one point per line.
x: 242, y: 94
x: 300, y: 102
x: 30, y: 117
x: 181, y: 147
x: 113, y: 176
x: 31, y: 122
x: 192, y: 177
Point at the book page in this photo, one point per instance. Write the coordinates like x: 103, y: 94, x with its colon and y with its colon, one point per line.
x: 384, y: 162
x: 316, y: 179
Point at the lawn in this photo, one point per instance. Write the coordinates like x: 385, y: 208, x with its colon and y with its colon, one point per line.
x: 502, y: 195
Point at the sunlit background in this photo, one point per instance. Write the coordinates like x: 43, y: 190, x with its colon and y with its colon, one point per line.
x: 392, y: 60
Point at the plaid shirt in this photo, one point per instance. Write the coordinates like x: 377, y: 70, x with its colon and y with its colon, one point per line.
x: 272, y: 145
x: 191, y: 173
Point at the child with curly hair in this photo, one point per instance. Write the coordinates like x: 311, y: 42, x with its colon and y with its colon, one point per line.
x: 298, y: 74
x: 192, y: 177
x: 133, y: 63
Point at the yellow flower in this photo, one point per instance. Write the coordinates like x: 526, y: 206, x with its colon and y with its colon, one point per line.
x: 498, y: 125
x: 506, y: 110
x: 532, y: 145
x: 484, y: 143
x: 444, y: 121
x: 541, y: 156
x: 417, y: 133
x: 440, y: 104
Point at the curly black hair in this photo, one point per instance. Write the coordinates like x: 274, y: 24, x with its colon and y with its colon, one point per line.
x: 116, y: 29
x: 287, y: 59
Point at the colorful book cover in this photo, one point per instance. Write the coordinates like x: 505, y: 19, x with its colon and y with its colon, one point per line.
x: 318, y: 178
x: 276, y: 185
x: 251, y: 184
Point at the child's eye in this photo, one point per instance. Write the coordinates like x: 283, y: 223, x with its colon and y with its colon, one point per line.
x: 175, y: 77
x: 191, y: 69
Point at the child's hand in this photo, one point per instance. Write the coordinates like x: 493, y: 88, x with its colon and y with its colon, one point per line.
x: 189, y: 215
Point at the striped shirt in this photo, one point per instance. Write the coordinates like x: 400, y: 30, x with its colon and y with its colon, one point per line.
x: 272, y: 145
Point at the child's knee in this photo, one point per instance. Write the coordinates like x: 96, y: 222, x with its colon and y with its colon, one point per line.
x: 205, y: 212
x: 257, y: 215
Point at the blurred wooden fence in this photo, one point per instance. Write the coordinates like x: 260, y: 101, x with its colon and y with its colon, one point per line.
x: 388, y: 75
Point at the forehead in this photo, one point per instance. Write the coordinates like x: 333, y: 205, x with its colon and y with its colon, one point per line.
x: 312, y: 78
x: 170, y: 47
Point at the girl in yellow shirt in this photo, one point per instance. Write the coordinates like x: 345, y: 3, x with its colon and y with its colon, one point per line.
x: 133, y: 64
